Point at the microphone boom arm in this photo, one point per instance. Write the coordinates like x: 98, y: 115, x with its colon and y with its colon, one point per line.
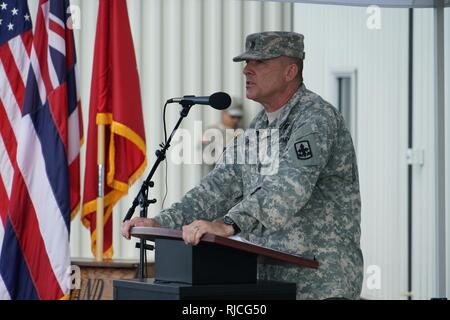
x: 161, y: 156
x: 141, y: 198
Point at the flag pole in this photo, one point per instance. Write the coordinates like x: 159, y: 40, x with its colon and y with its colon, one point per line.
x: 101, y: 191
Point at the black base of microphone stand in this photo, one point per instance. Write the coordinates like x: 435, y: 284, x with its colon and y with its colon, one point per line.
x: 142, y: 197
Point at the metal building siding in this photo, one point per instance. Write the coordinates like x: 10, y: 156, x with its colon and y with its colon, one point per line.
x: 447, y: 155
x: 337, y: 39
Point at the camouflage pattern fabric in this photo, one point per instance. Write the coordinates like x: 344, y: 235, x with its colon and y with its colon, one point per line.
x: 272, y: 44
x: 310, y: 205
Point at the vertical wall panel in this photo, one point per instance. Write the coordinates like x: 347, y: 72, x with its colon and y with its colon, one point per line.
x: 337, y: 39
x: 151, y: 88
x: 213, y: 48
x: 447, y: 150
x: 75, y: 233
x: 288, y: 15
x: 172, y: 81
x: 252, y: 23
x: 85, y: 51
x: 273, y: 15
x: 425, y: 254
x: 232, y: 44
x: 152, y: 101
x: 192, y: 84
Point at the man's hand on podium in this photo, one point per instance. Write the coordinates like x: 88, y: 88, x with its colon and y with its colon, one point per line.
x: 193, y: 232
x: 137, y: 222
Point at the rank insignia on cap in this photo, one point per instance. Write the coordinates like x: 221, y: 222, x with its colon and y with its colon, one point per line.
x: 303, y: 150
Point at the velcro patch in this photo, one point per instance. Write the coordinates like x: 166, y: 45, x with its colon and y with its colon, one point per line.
x: 303, y: 150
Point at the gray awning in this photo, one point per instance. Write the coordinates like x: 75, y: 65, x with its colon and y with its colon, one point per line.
x: 381, y: 3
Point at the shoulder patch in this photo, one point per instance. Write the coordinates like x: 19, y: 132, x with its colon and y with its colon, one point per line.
x: 303, y: 150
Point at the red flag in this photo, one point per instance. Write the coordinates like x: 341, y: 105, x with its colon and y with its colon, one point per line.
x: 115, y: 102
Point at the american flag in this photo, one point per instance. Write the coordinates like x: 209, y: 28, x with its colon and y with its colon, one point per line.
x: 40, y: 138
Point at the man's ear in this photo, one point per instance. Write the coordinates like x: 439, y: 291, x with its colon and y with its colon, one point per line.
x: 291, y: 72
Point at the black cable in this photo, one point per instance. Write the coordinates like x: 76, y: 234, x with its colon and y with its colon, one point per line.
x: 145, y: 263
x: 162, y: 145
x: 165, y: 160
x: 166, y: 191
x: 164, y: 122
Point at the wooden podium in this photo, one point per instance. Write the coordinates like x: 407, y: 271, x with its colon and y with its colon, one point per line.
x: 217, y: 268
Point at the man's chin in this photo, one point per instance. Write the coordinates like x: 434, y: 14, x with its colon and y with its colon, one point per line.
x: 251, y: 95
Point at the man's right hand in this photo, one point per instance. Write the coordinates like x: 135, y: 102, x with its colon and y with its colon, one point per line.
x: 137, y: 222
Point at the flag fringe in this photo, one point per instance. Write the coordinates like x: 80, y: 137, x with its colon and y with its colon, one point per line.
x: 120, y: 188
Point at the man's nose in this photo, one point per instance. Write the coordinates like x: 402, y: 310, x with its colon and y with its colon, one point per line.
x: 247, y: 69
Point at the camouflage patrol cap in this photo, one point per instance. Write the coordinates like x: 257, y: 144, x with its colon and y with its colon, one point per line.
x: 272, y: 44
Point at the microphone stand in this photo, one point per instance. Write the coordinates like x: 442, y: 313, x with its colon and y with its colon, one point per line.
x: 141, y: 198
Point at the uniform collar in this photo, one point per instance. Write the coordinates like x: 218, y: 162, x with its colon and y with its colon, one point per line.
x: 287, y: 108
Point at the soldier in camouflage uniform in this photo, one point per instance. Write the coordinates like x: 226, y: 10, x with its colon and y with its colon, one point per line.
x: 309, y: 206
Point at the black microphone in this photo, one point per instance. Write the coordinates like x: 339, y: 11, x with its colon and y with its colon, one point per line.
x: 218, y: 100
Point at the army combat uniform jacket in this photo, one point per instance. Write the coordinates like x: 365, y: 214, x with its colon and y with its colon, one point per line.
x: 307, y: 202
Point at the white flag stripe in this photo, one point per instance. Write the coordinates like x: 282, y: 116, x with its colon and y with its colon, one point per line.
x: 45, y: 7
x: 51, y: 223
x: 57, y: 20
x: 32, y: 167
x: 2, y: 232
x: 74, y: 137
x: 37, y: 73
x: 4, y: 295
x: 54, y: 39
x: 77, y: 81
x: 57, y: 42
x: 7, y: 171
x: 52, y: 71
x: 8, y: 99
x: 20, y: 56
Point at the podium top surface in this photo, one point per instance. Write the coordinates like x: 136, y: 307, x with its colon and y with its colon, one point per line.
x: 150, y: 233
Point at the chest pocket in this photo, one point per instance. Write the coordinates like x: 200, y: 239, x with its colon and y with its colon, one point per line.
x: 263, y: 151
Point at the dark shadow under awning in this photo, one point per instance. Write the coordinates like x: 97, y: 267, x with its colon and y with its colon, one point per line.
x: 381, y: 3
